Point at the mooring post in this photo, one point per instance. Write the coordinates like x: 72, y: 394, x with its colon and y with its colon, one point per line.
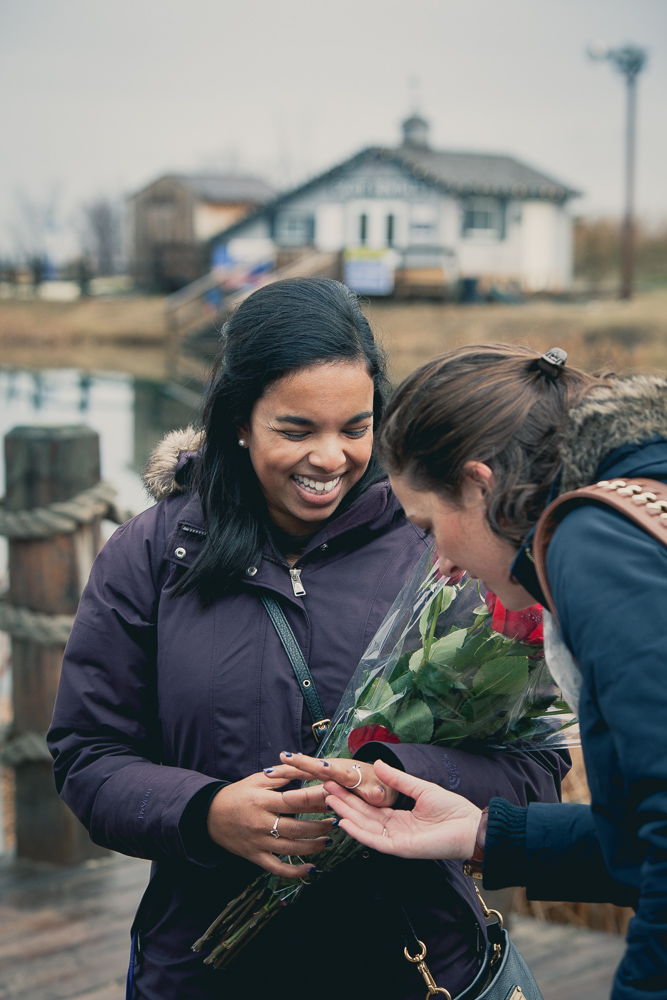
x: 46, y: 465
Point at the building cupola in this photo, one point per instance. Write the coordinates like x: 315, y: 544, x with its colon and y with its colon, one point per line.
x: 415, y: 132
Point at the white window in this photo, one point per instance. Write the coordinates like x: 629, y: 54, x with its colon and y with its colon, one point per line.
x: 293, y: 229
x: 483, y: 216
x: 423, y: 224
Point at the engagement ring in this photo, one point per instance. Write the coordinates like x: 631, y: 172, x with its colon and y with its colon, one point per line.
x: 274, y: 828
x: 358, y: 770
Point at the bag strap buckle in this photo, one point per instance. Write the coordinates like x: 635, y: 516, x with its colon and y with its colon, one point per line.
x: 320, y: 728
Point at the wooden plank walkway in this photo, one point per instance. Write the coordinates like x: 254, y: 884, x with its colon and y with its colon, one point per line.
x: 64, y: 936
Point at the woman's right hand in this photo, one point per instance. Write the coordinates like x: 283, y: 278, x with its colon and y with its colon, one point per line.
x: 440, y: 825
x: 242, y: 814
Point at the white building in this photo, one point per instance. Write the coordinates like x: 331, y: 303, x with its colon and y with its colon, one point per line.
x: 401, y: 216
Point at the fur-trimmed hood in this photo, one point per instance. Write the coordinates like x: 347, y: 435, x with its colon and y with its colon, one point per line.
x: 629, y: 411
x: 159, y: 476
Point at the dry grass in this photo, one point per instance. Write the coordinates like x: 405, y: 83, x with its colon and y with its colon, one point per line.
x: 624, y: 336
x: 128, y: 334
x: 120, y: 334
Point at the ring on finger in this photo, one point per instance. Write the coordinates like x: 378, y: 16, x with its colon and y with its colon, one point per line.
x: 274, y: 829
x: 358, y: 781
x: 384, y: 831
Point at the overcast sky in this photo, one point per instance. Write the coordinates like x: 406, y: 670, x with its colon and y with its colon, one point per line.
x: 102, y: 96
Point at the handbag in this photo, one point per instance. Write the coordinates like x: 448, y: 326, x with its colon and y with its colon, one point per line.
x: 504, y: 975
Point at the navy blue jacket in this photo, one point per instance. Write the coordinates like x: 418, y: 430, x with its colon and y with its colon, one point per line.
x: 161, y: 700
x: 609, y: 585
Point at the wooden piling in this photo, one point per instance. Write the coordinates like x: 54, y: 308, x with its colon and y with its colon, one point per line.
x: 45, y: 465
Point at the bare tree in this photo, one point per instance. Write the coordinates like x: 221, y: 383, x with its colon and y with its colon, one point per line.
x: 33, y: 220
x: 102, y: 232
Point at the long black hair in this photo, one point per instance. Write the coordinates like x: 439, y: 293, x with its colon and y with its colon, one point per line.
x: 278, y: 329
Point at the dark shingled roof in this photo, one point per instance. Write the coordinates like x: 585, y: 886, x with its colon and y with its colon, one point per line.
x: 222, y: 188
x: 478, y: 173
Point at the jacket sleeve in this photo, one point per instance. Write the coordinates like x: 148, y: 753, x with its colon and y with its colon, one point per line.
x: 552, y: 850
x: 518, y: 777
x: 105, y: 737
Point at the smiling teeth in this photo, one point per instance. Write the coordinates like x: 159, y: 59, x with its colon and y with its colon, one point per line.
x: 315, y: 486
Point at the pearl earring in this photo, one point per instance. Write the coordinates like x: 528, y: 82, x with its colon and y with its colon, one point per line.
x: 242, y: 443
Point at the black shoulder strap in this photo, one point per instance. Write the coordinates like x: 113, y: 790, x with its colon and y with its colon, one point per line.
x: 300, y: 667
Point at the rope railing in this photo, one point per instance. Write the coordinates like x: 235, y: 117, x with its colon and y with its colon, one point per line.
x: 28, y: 748
x: 35, y: 626
x: 62, y: 518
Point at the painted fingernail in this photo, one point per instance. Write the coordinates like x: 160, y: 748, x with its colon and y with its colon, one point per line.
x: 311, y: 871
x: 268, y: 770
x: 328, y: 842
x: 286, y: 753
x: 335, y: 824
x: 330, y: 808
x: 325, y: 763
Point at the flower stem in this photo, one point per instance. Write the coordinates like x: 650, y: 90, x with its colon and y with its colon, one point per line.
x: 428, y: 642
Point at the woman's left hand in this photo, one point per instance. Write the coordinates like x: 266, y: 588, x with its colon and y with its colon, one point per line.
x: 346, y: 773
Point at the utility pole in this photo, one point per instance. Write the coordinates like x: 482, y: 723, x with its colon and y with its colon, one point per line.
x: 628, y: 60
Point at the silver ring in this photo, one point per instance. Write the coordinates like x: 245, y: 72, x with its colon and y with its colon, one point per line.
x: 358, y: 770
x: 274, y: 829
x: 384, y: 831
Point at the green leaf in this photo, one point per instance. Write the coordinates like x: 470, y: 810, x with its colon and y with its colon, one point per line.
x: 443, y: 651
x: 424, y: 620
x: 414, y: 723
x: 482, y: 611
x: 402, y: 684
x: 503, y: 675
x: 378, y: 694
x: 440, y: 681
x: 450, y: 731
x: 439, y: 604
x: 401, y: 667
x: 377, y: 719
x: 477, y: 649
x: 416, y: 660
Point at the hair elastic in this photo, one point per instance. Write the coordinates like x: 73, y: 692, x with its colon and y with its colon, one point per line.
x: 552, y: 362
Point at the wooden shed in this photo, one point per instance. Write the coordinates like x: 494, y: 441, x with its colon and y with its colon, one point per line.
x: 171, y: 219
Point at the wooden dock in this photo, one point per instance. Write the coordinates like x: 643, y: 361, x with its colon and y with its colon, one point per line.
x: 64, y: 935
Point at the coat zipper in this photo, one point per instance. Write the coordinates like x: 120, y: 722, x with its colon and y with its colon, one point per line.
x: 297, y: 586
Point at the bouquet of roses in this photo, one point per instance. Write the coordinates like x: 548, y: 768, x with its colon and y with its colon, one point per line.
x: 445, y: 668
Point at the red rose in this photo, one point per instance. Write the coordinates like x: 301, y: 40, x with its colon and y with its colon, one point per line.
x: 525, y: 625
x: 365, y: 734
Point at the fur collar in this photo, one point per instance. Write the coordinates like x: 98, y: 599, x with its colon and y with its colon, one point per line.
x: 630, y: 411
x: 159, y: 476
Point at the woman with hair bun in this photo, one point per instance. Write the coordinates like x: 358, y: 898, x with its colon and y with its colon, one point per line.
x: 177, y: 695
x: 478, y: 443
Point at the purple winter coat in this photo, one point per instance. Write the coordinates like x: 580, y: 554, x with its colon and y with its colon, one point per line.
x: 161, y: 701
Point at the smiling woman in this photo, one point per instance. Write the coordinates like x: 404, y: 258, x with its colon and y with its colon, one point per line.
x: 299, y: 384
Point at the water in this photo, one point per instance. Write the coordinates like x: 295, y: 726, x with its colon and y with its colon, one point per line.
x: 129, y: 414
